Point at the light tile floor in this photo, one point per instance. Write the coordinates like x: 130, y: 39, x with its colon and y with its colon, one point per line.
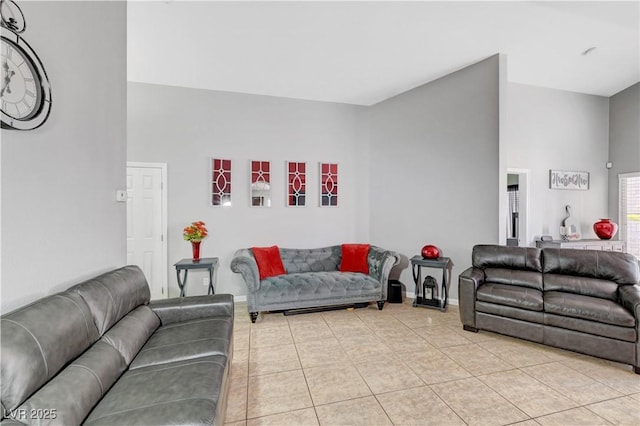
x: 406, y: 365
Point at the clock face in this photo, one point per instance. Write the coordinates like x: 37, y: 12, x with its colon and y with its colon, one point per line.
x: 21, y: 92
x: 25, y: 96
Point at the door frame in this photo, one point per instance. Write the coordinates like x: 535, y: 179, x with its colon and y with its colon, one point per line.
x: 164, y: 213
x: 525, y: 190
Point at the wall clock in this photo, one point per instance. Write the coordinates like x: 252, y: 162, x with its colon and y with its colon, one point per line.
x: 25, y: 95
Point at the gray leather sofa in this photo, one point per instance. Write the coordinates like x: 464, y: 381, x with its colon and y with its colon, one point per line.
x: 100, y: 354
x: 583, y: 300
x: 313, y: 279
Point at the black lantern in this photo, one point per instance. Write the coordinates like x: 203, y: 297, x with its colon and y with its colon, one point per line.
x: 430, y: 292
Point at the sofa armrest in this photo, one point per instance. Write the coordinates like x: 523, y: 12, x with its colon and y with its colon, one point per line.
x: 468, y: 283
x: 380, y: 263
x: 630, y: 298
x: 245, y: 264
x: 193, y: 307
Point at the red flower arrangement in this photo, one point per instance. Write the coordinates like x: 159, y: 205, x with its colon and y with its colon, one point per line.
x: 195, y: 232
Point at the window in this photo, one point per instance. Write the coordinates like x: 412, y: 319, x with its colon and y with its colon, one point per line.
x: 629, y: 221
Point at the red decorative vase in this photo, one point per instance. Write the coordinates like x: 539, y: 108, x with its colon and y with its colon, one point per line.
x: 195, y: 248
x: 430, y: 252
x: 605, y: 229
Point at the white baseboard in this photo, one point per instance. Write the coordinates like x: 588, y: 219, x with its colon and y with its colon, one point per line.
x: 412, y: 295
x: 242, y: 298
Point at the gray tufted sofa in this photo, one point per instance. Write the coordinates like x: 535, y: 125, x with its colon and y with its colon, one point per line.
x: 100, y: 354
x: 313, y: 279
x: 583, y: 300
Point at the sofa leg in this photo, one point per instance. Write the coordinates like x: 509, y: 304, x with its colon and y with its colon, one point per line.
x: 380, y: 304
x: 469, y: 328
x: 636, y: 369
x: 254, y: 317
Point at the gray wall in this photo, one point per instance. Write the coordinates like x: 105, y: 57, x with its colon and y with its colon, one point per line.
x: 434, y: 167
x: 559, y: 130
x: 60, y: 221
x: 186, y: 127
x: 624, y: 140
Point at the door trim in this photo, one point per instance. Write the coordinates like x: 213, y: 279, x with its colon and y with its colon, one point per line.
x: 164, y: 225
x: 525, y: 184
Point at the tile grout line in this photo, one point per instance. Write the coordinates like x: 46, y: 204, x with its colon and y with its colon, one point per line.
x: 295, y: 345
x: 626, y: 393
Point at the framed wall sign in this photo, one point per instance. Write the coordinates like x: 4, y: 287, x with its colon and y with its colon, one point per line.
x: 560, y: 179
x: 328, y: 185
x: 220, y: 182
x: 260, y: 184
x: 296, y: 184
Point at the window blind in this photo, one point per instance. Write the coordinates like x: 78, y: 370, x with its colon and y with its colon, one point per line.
x: 629, y: 221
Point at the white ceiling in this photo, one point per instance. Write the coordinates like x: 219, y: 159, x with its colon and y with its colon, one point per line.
x: 365, y: 52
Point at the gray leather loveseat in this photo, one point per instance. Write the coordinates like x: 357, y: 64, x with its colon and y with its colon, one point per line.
x: 100, y: 354
x: 583, y: 300
x: 313, y: 279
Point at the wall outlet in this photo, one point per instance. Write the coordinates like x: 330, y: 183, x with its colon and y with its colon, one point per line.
x: 205, y: 281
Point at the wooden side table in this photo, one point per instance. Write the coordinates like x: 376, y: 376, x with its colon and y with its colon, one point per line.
x: 419, y: 262
x: 185, y: 265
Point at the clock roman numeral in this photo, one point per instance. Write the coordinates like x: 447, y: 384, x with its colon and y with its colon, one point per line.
x: 30, y: 94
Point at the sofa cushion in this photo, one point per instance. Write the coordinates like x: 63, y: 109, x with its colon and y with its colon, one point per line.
x: 591, y: 327
x: 186, y: 340
x: 78, y: 388
x: 581, y: 285
x: 184, y: 392
x: 311, y: 260
x: 492, y: 256
x: 269, y: 261
x: 317, y: 286
x: 510, y: 326
x: 38, y: 340
x: 612, y: 266
x: 132, y: 332
x: 510, y: 312
x: 355, y: 258
x: 514, y: 277
x: 511, y: 295
x: 587, y: 307
x: 114, y: 294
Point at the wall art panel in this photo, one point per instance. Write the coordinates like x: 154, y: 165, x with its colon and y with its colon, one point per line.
x: 296, y: 184
x: 220, y: 182
x: 260, y: 183
x: 328, y: 185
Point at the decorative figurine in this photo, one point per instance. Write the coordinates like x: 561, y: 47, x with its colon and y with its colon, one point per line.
x: 570, y: 229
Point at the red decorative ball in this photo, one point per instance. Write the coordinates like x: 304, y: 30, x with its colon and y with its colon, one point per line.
x: 430, y: 252
x: 605, y: 229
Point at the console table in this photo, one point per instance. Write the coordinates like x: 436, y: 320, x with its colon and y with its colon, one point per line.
x: 604, y: 245
x: 209, y: 263
x: 419, y: 262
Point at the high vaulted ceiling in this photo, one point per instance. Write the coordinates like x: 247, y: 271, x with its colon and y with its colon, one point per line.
x: 365, y: 52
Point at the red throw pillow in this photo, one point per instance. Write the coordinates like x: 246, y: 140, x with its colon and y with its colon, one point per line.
x: 355, y: 258
x: 269, y: 261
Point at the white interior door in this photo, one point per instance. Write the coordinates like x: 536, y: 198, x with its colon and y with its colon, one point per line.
x: 146, y: 224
